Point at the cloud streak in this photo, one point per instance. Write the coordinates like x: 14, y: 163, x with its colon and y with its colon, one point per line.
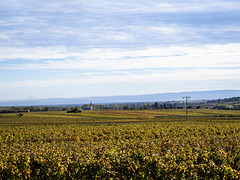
x: 179, y: 75
x: 208, y: 56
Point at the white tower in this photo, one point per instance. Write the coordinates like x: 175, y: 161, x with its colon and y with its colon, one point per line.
x: 91, y: 105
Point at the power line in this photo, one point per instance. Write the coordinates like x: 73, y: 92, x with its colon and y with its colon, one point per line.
x: 186, y: 97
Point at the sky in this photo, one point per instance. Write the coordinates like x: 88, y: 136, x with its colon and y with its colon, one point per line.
x: 81, y: 48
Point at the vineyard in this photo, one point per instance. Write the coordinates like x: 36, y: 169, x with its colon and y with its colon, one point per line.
x: 140, y: 144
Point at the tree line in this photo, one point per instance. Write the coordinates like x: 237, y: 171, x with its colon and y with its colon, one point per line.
x: 227, y: 103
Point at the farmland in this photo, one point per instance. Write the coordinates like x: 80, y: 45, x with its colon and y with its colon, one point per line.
x: 140, y: 144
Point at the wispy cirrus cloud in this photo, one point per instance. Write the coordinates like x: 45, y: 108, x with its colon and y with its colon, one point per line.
x: 180, y: 75
x: 126, y: 24
x: 208, y: 56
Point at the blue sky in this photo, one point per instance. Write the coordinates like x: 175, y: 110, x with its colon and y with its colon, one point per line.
x: 80, y: 48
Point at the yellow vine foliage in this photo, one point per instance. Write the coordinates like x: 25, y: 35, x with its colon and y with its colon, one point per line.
x: 154, y: 150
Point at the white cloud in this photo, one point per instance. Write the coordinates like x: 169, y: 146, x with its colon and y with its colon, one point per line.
x: 33, y: 53
x: 161, y: 76
x: 3, y: 36
x: 167, y: 30
x: 168, y: 7
x: 200, y: 6
x: 208, y: 56
x: 161, y: 6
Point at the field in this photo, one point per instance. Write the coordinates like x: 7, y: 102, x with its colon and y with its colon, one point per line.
x: 147, y: 144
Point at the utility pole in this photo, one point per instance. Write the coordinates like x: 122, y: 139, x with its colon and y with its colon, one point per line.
x: 186, y: 97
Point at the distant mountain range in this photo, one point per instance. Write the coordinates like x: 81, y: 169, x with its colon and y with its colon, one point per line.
x: 195, y: 95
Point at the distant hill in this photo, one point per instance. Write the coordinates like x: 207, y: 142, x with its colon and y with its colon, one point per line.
x: 226, y: 100
x: 195, y: 95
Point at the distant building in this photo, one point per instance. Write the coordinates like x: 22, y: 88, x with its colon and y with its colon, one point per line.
x: 91, y: 105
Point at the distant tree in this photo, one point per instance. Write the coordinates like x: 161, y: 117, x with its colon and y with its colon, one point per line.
x: 165, y: 106
x: 119, y: 107
x: 126, y: 107
x: 222, y: 106
x: 47, y: 109
x: 86, y: 106
x: 64, y: 109
x: 219, y: 101
x: 156, y: 105
x: 146, y: 106
x: 161, y: 106
x: 20, y: 115
x: 174, y: 105
x: 74, y: 110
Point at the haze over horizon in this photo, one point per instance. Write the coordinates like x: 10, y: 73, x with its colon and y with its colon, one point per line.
x: 66, y: 49
x: 145, y: 98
